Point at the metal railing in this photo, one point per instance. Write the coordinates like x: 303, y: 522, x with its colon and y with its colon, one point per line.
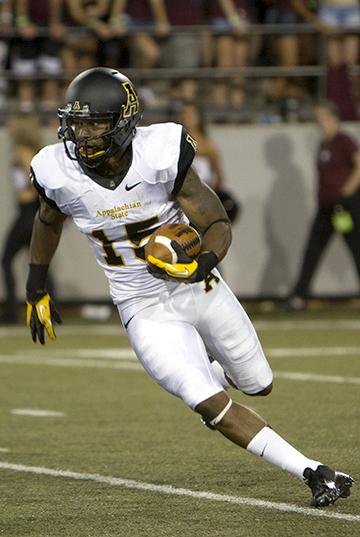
x: 258, y: 71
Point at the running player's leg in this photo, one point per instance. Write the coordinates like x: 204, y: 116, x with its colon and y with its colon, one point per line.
x: 231, y: 339
x: 173, y: 354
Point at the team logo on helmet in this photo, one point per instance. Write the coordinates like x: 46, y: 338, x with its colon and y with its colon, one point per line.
x: 132, y: 104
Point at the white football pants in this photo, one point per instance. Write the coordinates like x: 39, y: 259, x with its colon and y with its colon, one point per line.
x: 174, y: 338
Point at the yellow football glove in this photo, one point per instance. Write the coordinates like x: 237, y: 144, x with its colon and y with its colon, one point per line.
x: 41, y: 313
x: 178, y: 271
x: 187, y: 270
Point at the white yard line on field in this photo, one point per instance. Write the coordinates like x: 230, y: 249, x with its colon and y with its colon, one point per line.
x: 114, y: 353
x: 37, y: 413
x: 310, y: 324
x: 128, y: 354
x: 268, y: 325
x: 332, y: 379
x: 69, y: 330
x: 67, y: 362
x: 132, y: 365
x: 311, y: 351
x: 175, y: 491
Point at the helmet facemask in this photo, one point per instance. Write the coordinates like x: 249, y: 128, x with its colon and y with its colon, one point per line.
x: 88, y: 150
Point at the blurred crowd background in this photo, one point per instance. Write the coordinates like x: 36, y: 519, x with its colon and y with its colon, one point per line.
x: 241, y: 60
x: 250, y: 79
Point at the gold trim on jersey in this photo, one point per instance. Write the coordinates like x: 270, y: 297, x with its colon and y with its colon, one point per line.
x: 191, y: 141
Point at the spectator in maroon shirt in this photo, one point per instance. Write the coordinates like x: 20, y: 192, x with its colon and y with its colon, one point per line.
x: 183, y: 49
x: 338, y: 168
x: 104, y: 40
x: 342, y: 51
x: 146, y: 45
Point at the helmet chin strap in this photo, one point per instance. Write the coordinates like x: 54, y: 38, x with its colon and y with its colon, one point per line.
x: 98, y: 158
x: 94, y: 155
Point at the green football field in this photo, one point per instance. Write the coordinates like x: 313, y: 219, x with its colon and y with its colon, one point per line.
x: 90, y: 446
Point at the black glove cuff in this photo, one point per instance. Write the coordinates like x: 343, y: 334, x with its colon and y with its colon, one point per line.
x: 206, y: 262
x: 36, y: 282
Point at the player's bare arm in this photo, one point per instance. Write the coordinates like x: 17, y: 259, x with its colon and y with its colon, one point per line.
x: 204, y: 209
x: 41, y: 311
x: 46, y: 234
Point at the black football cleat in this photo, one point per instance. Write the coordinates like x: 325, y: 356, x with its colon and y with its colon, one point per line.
x: 326, y: 485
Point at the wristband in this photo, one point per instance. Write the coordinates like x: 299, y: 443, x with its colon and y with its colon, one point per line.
x: 36, y: 281
x: 206, y: 262
x: 22, y: 20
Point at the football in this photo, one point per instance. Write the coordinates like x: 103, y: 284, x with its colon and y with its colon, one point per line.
x: 159, y: 244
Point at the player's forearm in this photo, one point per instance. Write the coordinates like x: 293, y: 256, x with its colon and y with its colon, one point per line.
x: 204, y: 209
x: 217, y: 238
x: 44, y: 241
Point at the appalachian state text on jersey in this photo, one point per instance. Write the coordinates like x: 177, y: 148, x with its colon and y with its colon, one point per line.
x: 118, y: 221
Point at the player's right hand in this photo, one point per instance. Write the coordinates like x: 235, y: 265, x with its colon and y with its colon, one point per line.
x: 186, y: 270
x: 41, y: 314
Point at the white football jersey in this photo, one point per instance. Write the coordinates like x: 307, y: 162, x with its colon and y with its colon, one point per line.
x: 118, y: 222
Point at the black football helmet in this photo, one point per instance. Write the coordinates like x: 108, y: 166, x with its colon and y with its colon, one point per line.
x: 105, y: 95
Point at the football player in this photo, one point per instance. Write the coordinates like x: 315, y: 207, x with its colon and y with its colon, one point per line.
x: 119, y: 182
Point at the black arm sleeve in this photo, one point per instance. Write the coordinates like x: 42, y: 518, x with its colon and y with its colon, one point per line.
x: 187, y: 154
x: 42, y: 193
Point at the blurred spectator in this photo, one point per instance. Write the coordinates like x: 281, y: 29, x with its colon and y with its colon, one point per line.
x: 105, y: 21
x: 338, y: 167
x: 230, y: 19
x: 5, y: 26
x: 25, y: 134
x: 286, y: 48
x: 34, y: 53
x: 80, y: 49
x: 183, y: 50
x: 342, y: 50
x: 149, y: 27
x: 146, y: 46
x: 333, y: 16
x: 207, y: 161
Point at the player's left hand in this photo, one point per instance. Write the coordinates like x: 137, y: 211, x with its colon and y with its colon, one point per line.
x: 41, y: 314
x: 186, y: 270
